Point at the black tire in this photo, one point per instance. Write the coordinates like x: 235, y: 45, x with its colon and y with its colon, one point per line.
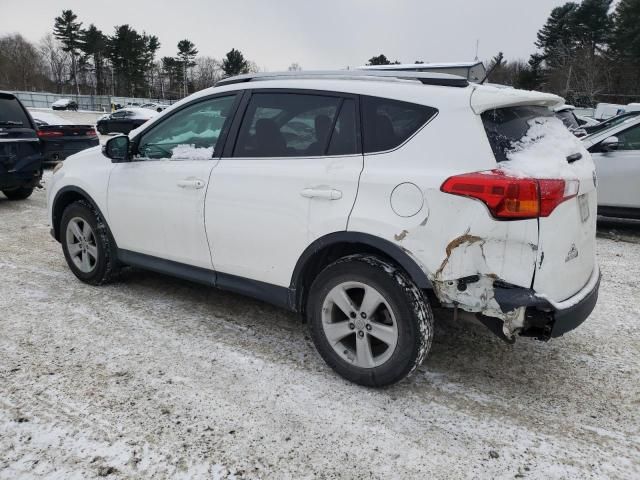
x: 410, y: 307
x: 106, y: 265
x: 18, y: 193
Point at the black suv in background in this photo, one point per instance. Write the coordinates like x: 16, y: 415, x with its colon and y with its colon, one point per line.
x: 20, y: 149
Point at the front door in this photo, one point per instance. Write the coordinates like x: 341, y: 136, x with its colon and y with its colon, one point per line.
x: 292, y: 177
x: 156, y: 201
x: 619, y: 171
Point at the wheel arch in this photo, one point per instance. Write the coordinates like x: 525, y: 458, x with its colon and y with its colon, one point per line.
x: 330, y: 247
x: 65, y: 197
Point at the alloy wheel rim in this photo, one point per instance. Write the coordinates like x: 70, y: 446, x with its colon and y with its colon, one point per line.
x: 81, y: 244
x: 359, y: 324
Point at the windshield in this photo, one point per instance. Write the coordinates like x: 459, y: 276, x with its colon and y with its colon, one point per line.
x: 569, y: 119
x: 11, y: 113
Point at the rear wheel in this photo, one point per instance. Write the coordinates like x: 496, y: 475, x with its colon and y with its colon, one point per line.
x: 87, y: 245
x: 18, y: 193
x: 368, y: 320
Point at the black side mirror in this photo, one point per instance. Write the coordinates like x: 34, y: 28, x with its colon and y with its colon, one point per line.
x: 117, y: 149
x: 609, y: 145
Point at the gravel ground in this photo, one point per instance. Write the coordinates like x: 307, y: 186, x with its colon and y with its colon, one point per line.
x: 154, y: 377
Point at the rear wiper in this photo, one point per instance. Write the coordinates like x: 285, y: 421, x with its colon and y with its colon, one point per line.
x: 574, y: 158
x: 13, y: 123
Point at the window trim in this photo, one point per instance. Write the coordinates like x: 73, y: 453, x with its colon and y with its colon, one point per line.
x: 408, y: 139
x: 224, y: 134
x: 234, y: 132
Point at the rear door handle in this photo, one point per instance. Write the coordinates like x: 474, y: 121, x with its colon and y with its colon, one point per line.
x: 326, y: 193
x: 191, y: 183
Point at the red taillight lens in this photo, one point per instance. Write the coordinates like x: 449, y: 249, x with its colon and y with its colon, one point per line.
x: 512, y: 197
x: 91, y: 133
x: 50, y: 133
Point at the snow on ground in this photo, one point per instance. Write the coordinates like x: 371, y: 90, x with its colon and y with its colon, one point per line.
x: 154, y: 377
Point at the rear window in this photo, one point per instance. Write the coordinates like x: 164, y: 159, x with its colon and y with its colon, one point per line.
x: 11, y: 113
x: 387, y: 124
x: 506, y: 126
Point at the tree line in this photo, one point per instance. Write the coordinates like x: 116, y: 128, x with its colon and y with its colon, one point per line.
x: 77, y: 60
x: 587, y: 52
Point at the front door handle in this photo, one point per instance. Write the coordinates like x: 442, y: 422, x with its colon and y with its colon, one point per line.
x: 326, y: 193
x: 191, y: 183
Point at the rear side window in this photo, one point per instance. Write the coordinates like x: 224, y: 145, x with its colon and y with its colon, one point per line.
x: 12, y: 113
x: 387, y: 124
x: 569, y: 119
x: 506, y: 126
x: 293, y: 125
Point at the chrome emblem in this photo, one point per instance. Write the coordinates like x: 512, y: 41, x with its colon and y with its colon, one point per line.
x: 573, y: 253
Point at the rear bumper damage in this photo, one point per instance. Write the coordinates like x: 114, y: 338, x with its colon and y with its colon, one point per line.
x: 529, y: 314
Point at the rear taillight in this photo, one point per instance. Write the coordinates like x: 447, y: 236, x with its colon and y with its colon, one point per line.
x: 91, y: 133
x: 512, y: 197
x: 50, y: 133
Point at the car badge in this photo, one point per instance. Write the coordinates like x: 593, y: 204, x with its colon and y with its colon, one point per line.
x: 595, y: 179
x: 573, y: 253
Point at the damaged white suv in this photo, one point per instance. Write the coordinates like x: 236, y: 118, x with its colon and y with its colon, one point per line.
x: 360, y: 199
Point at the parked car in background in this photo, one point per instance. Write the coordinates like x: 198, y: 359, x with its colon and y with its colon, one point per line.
x: 124, y: 120
x: 585, y: 121
x: 565, y: 113
x: 61, y: 139
x: 158, y: 107
x: 610, y: 122
x: 616, y: 153
x: 20, y: 150
x: 64, y: 104
x: 384, y: 210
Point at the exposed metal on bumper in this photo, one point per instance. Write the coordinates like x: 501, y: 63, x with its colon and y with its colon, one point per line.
x: 548, y: 319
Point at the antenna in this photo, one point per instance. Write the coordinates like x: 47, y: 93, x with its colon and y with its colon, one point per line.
x: 477, y: 48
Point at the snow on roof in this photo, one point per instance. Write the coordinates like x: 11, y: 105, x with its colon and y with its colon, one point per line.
x: 486, y: 98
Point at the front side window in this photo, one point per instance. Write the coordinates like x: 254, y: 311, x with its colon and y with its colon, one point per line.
x: 387, y: 124
x: 191, y: 133
x: 296, y: 125
x: 629, y: 139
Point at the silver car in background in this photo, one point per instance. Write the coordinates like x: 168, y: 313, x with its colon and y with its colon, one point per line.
x: 616, y: 153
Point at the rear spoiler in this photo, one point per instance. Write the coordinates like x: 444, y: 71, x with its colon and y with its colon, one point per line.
x: 485, y: 98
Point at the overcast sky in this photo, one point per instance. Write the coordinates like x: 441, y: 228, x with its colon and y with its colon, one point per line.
x: 318, y: 34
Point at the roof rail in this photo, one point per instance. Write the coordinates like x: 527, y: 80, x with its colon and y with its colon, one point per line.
x: 426, y: 78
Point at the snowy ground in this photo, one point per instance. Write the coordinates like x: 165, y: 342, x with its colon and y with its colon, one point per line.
x: 154, y: 377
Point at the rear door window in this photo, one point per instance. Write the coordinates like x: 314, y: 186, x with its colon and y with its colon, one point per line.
x: 293, y: 125
x: 387, y: 124
x: 505, y: 127
x: 11, y: 113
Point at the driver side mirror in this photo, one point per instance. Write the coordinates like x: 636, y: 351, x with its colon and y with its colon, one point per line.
x: 609, y: 144
x: 117, y: 149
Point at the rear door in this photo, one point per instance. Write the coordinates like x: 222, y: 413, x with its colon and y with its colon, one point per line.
x: 619, y: 170
x: 291, y: 178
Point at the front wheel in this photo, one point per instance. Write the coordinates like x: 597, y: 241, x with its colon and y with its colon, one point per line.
x: 369, y: 321
x: 18, y: 193
x: 87, y: 245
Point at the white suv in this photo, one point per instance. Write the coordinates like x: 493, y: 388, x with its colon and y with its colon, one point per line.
x: 359, y: 199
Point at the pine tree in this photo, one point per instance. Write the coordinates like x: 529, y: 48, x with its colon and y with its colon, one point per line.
x: 379, y: 60
x: 234, y: 63
x: 94, y: 45
x: 68, y: 31
x: 186, y: 53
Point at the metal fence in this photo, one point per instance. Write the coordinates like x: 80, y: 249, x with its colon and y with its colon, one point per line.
x: 97, y: 103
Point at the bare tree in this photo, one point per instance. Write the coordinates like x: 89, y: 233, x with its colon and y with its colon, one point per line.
x: 295, y: 67
x: 20, y: 64
x: 206, y: 72
x: 56, y: 59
